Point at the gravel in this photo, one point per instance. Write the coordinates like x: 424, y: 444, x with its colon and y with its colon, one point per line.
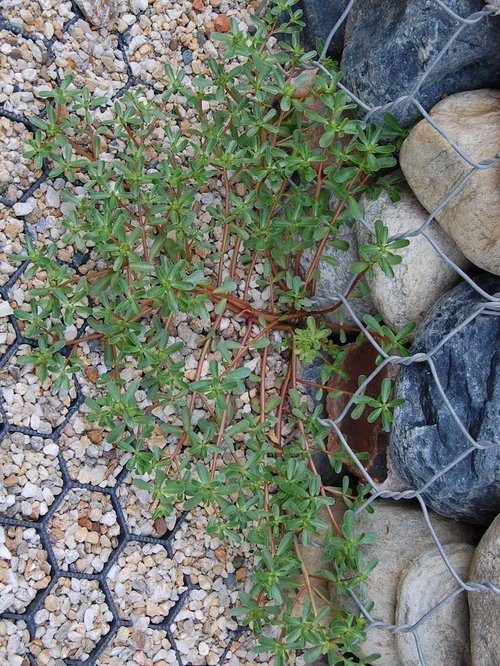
x: 90, y: 459
x: 84, y: 531
x: 147, y: 582
x: 30, y: 477
x: 17, y: 173
x: 24, y: 569
x: 14, y: 641
x: 72, y: 620
x: 134, y: 645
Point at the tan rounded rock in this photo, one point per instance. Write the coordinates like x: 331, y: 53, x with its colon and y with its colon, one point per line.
x: 485, y: 606
x: 423, y: 276
x: 444, y: 634
x: 401, y: 537
x: 433, y: 168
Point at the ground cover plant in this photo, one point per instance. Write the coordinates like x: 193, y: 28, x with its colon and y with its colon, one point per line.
x: 233, y: 272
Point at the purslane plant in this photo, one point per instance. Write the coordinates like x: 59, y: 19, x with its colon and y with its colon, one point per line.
x: 159, y: 258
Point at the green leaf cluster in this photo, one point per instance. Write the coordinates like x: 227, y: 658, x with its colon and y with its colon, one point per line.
x: 160, y: 260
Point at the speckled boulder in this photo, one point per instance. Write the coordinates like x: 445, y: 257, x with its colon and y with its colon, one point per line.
x: 100, y: 12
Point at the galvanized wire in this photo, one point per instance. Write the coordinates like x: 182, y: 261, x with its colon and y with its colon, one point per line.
x: 489, y: 306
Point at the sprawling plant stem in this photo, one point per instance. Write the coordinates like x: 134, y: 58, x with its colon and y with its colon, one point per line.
x: 141, y: 217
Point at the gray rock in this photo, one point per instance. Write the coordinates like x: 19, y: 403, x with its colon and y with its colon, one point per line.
x: 433, y: 168
x: 24, y: 207
x: 336, y: 279
x: 485, y: 606
x: 444, y: 636
x: 425, y: 437
x: 401, y: 535
x: 187, y: 56
x: 100, y: 12
x: 423, y: 276
x: 311, y: 372
x: 138, y: 5
x: 320, y: 18
x: 384, y: 59
x: 5, y: 309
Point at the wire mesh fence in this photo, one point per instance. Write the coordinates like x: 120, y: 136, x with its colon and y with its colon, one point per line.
x: 488, y: 306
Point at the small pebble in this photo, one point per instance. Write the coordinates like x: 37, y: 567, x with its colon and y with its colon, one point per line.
x: 222, y: 23
x: 5, y: 309
x: 187, y: 56
x: 24, y: 208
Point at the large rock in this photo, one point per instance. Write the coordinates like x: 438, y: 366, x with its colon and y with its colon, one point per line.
x: 433, y: 168
x: 423, y: 276
x: 384, y: 59
x: 444, y: 636
x: 335, y: 280
x: 320, y: 18
x: 485, y: 606
x: 100, y: 12
x: 426, y: 437
x: 400, y: 537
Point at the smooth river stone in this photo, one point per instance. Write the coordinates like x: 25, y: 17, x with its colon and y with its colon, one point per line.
x: 433, y: 168
x: 444, y: 635
x: 400, y: 536
x: 423, y: 276
x: 485, y: 606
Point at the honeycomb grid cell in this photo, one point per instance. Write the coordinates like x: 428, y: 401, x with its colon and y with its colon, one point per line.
x: 145, y: 582
x: 72, y: 620
x: 24, y: 568
x: 30, y: 475
x: 84, y: 531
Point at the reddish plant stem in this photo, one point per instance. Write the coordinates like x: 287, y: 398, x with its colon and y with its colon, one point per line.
x: 320, y: 249
x: 144, y: 241
x: 322, y: 386
x: 312, y: 464
x: 220, y: 435
x: 226, y: 227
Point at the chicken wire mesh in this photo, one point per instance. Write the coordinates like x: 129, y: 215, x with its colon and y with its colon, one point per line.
x: 489, y: 306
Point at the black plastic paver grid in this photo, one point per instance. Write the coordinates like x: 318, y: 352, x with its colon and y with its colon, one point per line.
x: 42, y: 524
